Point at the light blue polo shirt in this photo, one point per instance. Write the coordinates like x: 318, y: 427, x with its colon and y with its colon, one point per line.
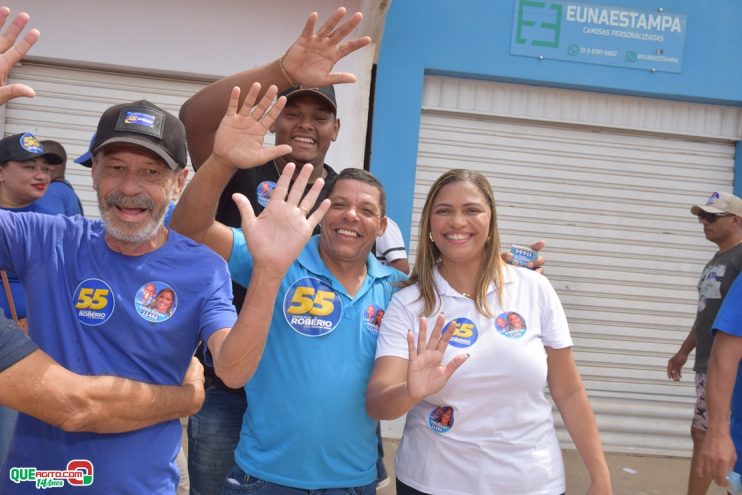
x: 306, y: 425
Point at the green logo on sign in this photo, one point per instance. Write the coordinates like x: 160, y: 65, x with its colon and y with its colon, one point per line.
x: 542, y: 23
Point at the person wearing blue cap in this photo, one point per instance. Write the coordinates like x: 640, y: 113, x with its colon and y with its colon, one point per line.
x: 86, y: 159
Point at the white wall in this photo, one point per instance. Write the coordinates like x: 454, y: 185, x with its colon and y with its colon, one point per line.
x: 197, y: 38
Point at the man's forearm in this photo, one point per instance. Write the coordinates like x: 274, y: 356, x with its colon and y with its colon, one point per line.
x: 720, y: 380
x: 40, y: 387
x: 238, y: 356
x: 194, y: 214
x: 203, y: 112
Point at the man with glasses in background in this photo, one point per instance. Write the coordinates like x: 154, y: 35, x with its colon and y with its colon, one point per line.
x: 721, y: 218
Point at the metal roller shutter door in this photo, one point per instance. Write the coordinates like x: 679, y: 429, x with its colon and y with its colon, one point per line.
x: 612, y: 200
x: 69, y: 102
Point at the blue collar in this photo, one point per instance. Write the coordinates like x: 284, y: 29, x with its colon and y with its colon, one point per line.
x: 310, y: 259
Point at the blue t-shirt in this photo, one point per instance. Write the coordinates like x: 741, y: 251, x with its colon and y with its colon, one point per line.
x: 60, y: 199
x: 729, y: 320
x: 16, y: 288
x: 98, y: 312
x: 307, y: 427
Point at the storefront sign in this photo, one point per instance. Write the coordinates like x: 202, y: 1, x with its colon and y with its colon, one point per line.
x: 599, y: 34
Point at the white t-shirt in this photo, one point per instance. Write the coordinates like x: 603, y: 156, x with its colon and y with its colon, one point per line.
x: 500, y: 437
x: 390, y: 246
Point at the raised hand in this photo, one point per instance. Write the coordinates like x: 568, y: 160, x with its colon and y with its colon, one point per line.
x: 536, y: 265
x: 426, y: 373
x: 239, y: 138
x: 277, y: 236
x: 309, y: 61
x: 12, y: 52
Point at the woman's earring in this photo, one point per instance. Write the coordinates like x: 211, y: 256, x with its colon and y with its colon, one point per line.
x: 430, y: 234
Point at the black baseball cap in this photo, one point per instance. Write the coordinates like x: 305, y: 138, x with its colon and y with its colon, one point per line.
x: 54, y: 149
x: 325, y: 93
x: 144, y: 124
x: 25, y: 146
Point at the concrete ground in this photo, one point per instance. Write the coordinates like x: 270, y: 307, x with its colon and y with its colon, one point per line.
x: 630, y: 474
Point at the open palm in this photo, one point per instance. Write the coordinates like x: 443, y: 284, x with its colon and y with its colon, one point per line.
x: 426, y: 373
x: 277, y: 236
x: 313, y: 55
x: 12, y: 53
x: 239, y: 138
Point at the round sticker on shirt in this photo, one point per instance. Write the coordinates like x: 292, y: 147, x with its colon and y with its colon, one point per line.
x: 311, y: 307
x: 94, y: 302
x: 156, y: 301
x: 441, y: 419
x: 466, y: 332
x: 264, y: 191
x: 372, y: 318
x: 511, y: 324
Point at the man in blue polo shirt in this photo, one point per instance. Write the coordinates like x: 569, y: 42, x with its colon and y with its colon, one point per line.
x: 308, y: 427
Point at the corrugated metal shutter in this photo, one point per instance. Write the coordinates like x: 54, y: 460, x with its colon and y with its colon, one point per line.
x: 69, y: 102
x: 612, y: 198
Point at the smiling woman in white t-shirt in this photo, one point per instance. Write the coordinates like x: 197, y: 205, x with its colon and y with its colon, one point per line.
x: 506, y: 338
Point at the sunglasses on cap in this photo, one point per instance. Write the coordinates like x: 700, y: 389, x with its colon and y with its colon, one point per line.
x: 712, y: 217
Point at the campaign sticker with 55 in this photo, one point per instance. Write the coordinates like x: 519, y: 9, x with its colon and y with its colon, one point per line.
x: 312, y: 308
x: 79, y: 472
x: 94, y: 302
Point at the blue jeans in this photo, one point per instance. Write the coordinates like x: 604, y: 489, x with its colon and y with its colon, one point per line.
x: 381, y: 474
x: 213, y: 434
x: 7, y: 427
x: 240, y: 483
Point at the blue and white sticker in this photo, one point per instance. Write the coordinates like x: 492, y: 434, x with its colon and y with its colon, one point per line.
x: 156, y: 301
x: 139, y: 118
x: 440, y: 419
x: 264, y: 191
x: 31, y: 143
x: 465, y: 334
x: 372, y: 318
x: 511, y: 324
x: 312, y: 308
x: 713, y: 198
x: 94, y: 302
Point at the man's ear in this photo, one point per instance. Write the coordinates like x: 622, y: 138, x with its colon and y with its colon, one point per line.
x: 180, y: 180
x: 382, y: 226
x: 337, y: 129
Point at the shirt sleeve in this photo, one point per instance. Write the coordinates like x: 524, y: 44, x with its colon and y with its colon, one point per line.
x: 554, y: 327
x: 218, y: 311
x: 240, y: 260
x: 16, y: 232
x: 390, y: 246
x: 729, y: 318
x: 14, y: 345
x: 392, y: 340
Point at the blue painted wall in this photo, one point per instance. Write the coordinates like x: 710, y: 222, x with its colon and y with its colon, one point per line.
x: 471, y: 38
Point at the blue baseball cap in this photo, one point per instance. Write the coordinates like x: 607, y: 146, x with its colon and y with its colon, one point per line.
x: 86, y: 159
